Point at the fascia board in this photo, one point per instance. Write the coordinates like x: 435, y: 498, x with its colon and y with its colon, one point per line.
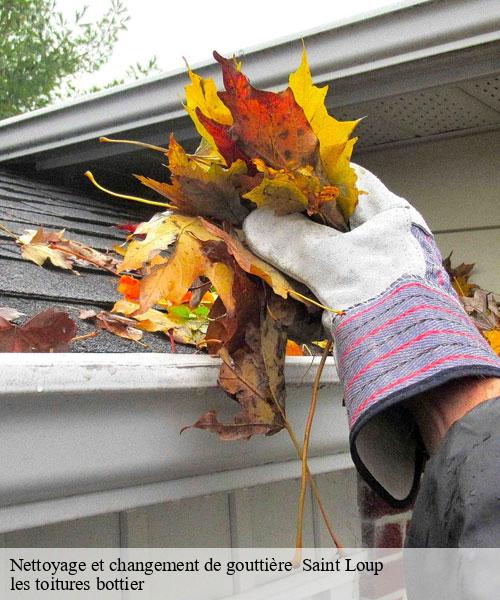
x: 346, y: 52
x: 85, y: 434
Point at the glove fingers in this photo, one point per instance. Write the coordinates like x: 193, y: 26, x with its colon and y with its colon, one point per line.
x: 376, y: 199
x: 287, y: 242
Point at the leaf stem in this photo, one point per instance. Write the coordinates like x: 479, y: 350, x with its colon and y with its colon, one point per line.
x: 86, y: 336
x: 89, y: 175
x: 459, y: 286
x: 311, y: 301
x: 305, y: 452
x: 9, y: 232
x: 134, y: 143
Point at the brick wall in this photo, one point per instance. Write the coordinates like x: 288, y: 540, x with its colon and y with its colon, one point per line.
x: 382, y: 527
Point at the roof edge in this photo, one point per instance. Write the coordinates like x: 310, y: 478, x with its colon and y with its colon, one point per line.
x: 409, y: 33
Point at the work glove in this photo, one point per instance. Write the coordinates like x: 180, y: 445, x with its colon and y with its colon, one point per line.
x: 403, y: 331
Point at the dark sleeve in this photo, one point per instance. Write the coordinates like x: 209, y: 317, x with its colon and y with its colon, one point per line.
x: 458, y: 508
x: 458, y: 504
x: 478, y: 525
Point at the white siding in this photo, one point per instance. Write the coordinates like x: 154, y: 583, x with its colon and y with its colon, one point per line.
x: 339, y: 493
x: 102, y: 531
x: 262, y: 516
x: 197, y: 522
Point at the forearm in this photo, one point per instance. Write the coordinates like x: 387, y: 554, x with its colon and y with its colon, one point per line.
x: 437, y: 410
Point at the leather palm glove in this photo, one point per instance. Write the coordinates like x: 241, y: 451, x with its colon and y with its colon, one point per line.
x: 403, y: 331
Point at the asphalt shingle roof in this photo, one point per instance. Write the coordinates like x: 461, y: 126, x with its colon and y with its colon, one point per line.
x: 29, y: 204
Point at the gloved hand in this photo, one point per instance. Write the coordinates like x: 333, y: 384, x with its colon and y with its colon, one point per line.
x: 404, y: 331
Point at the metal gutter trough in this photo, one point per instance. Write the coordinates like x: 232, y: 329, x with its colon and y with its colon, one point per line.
x: 86, y: 434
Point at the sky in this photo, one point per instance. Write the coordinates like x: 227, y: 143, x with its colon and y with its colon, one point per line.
x: 171, y: 29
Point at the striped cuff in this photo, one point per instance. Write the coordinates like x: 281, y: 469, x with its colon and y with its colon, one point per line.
x: 412, y: 338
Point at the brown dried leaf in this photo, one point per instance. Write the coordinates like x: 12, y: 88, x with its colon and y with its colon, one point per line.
x: 201, y: 190
x: 49, y: 331
x: 116, y: 324
x: 278, y: 316
x: 253, y: 373
x: 40, y: 246
x: 85, y: 255
x: 231, y: 432
x: 483, y: 308
x: 460, y: 276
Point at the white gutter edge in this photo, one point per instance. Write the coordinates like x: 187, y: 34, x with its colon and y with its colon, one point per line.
x: 25, y: 373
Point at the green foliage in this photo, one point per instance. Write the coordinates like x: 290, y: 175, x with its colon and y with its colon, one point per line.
x: 42, y: 53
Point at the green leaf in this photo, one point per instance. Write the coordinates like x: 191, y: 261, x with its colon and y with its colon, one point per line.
x: 201, y: 311
x: 181, y: 311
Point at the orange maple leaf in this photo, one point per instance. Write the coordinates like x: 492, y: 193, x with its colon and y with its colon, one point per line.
x: 267, y: 125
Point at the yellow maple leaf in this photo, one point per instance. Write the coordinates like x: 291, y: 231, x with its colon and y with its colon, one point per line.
x: 493, y: 337
x: 35, y: 246
x: 202, y: 93
x: 161, y: 232
x: 171, y: 278
x: 293, y: 191
x: 335, y: 147
x: 39, y: 254
x: 279, y: 190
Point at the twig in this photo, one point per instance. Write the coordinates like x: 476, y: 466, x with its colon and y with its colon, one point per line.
x: 305, y: 452
x: 87, y: 336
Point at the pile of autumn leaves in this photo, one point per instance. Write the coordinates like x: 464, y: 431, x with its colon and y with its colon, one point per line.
x: 258, y: 148
x: 187, y: 272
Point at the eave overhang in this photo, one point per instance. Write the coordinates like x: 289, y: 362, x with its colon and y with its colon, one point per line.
x: 410, y: 47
